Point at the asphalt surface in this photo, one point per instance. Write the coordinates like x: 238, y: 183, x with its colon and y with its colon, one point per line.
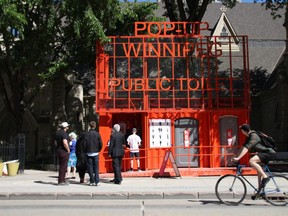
x: 35, y: 184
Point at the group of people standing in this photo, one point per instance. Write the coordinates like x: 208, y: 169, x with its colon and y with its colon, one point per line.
x: 83, y: 153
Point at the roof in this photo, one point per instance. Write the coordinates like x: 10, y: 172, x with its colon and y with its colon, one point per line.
x: 249, y: 19
x: 266, y: 35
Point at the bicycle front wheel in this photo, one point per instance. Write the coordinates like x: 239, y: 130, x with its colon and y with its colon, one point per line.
x: 230, y: 189
x: 276, y: 190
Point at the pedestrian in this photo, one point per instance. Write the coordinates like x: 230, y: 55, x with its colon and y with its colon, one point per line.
x: 116, y: 151
x: 112, y: 132
x: 72, y: 161
x: 134, y: 142
x: 93, y: 147
x: 263, y: 154
x: 63, y: 150
x: 81, y: 157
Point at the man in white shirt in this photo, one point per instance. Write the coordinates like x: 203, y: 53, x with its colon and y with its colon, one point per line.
x: 134, y: 142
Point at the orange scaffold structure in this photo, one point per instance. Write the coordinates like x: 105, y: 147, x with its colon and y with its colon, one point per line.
x: 183, y: 90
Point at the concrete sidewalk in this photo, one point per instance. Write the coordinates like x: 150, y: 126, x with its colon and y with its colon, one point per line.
x: 35, y: 184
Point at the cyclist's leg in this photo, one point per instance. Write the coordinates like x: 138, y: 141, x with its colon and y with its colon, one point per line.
x: 259, y: 180
x: 254, y: 162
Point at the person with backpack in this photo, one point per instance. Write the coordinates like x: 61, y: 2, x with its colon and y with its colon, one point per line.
x: 263, y: 154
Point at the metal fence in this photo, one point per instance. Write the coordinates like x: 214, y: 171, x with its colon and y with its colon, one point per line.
x: 14, y: 150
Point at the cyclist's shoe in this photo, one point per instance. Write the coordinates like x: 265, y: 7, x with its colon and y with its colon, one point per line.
x: 257, y: 196
x: 264, y: 182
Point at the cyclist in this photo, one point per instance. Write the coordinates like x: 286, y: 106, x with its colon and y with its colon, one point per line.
x: 263, y: 154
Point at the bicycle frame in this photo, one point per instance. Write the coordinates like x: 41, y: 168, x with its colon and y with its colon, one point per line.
x: 239, y: 173
x: 266, y: 169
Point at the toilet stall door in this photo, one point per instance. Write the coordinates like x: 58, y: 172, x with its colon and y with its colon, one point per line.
x: 228, y: 138
x: 186, y: 142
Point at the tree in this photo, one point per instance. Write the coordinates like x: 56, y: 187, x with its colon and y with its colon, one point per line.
x: 21, y: 23
x: 193, y: 10
x: 258, y: 78
x: 42, y: 40
x: 186, y: 11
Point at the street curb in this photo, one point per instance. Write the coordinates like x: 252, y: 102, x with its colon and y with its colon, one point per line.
x: 28, y: 196
x: 145, y: 195
x: 105, y: 196
x: 110, y: 196
x: 180, y: 195
x: 74, y: 196
x: 207, y: 195
x: 4, y: 196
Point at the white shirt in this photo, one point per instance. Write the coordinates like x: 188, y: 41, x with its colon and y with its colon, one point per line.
x: 134, y: 141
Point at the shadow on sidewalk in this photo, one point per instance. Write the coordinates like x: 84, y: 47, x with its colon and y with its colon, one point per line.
x: 74, y: 182
x: 43, y: 182
x: 217, y: 202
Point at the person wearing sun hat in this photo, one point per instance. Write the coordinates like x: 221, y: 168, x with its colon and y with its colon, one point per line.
x: 63, y: 150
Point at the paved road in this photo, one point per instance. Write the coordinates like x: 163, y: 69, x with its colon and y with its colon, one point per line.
x: 167, y: 207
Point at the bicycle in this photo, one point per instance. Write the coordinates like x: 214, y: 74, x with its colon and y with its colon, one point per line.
x: 231, y: 189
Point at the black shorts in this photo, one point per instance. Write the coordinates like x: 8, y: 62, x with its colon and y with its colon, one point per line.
x: 136, y: 154
x: 266, y: 157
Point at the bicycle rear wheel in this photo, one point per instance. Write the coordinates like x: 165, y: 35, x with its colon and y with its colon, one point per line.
x: 230, y: 189
x: 276, y: 190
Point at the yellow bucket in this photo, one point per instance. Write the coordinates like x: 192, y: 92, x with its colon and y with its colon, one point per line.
x: 1, y: 168
x: 12, y: 168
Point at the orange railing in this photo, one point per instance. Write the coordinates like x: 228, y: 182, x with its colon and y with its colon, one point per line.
x: 156, y: 159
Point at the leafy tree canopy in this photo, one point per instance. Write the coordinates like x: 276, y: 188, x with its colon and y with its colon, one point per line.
x: 41, y: 40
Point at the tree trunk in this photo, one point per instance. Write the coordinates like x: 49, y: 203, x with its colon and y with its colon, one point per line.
x: 58, y: 103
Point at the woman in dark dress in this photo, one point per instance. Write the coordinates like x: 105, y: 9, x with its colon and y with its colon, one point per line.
x: 81, y: 157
